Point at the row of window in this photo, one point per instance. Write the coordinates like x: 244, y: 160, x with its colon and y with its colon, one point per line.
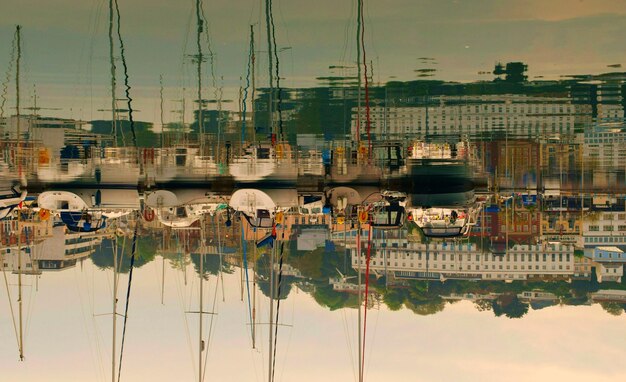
x: 522, y: 257
x: 485, y: 267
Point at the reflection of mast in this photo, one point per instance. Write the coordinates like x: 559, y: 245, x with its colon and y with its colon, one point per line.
x: 199, y: 59
x: 19, y: 255
x: 112, y: 59
x: 270, y: 102
x: 254, y: 295
x: 18, y: 30
x: 114, y: 128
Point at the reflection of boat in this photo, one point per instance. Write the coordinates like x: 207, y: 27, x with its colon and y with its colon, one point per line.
x: 259, y: 208
x: 183, y: 208
x: 88, y: 210
x: 444, y: 221
x: 73, y: 211
x: 9, y: 200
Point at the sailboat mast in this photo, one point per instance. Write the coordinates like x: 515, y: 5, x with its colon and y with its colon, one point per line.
x: 358, y: 66
x: 199, y: 71
x: 271, y: 325
x: 254, y: 295
x: 112, y: 59
x: 360, y: 299
x: 18, y: 32
x: 19, y: 239
x: 114, y: 329
x: 253, y: 83
x: 200, y: 342
x: 114, y: 128
x: 270, y: 102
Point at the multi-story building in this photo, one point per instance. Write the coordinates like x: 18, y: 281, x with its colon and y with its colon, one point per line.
x: 609, y: 262
x: 602, y: 228
x: 464, y: 260
x: 516, y: 114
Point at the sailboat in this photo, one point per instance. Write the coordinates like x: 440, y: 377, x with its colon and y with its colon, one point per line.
x: 10, y: 200
x: 88, y: 210
x: 260, y: 208
x: 182, y: 208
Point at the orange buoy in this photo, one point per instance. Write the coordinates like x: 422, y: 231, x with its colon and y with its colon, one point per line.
x: 363, y: 216
x: 279, y: 217
x: 44, y: 214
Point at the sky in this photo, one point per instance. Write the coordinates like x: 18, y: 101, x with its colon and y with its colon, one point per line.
x: 68, y: 336
x: 66, y: 43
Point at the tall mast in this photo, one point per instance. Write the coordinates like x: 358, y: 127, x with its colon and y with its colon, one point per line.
x: 199, y: 71
x: 271, y: 325
x: 114, y: 329
x: 200, y: 342
x: 270, y: 103
x: 360, y: 299
x: 19, y: 255
x: 358, y: 66
x: 254, y: 295
x: 112, y: 59
x: 114, y: 128
x: 253, y: 84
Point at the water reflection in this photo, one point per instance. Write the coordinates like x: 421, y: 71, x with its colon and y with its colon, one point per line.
x: 355, y: 197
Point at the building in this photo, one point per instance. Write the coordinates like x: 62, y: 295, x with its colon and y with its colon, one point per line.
x: 519, y: 115
x: 464, y: 260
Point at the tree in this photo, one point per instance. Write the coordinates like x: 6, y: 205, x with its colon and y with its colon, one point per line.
x: 483, y: 305
x: 612, y: 308
x: 510, y: 306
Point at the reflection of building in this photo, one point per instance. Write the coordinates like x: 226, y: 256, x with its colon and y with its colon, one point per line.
x: 609, y: 263
x: 608, y: 295
x: 516, y: 114
x: 61, y: 250
x: 604, y: 228
x: 538, y: 299
x: 464, y: 260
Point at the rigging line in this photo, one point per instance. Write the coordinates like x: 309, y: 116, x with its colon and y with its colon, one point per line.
x: 7, y: 79
x: 286, y: 352
x: 183, y: 307
x: 245, y: 265
x: 126, y: 84
x: 371, y: 348
x: 279, y: 91
x: 280, y: 280
x: 348, y: 339
x: 367, y: 98
x: 367, y: 284
x: 245, y: 90
x: 211, y: 326
x: 130, y: 281
x: 6, y: 283
x: 85, y: 326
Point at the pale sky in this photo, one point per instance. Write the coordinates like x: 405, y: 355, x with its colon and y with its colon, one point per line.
x: 64, y: 341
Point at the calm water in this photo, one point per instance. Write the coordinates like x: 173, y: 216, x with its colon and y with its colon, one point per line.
x: 279, y: 191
